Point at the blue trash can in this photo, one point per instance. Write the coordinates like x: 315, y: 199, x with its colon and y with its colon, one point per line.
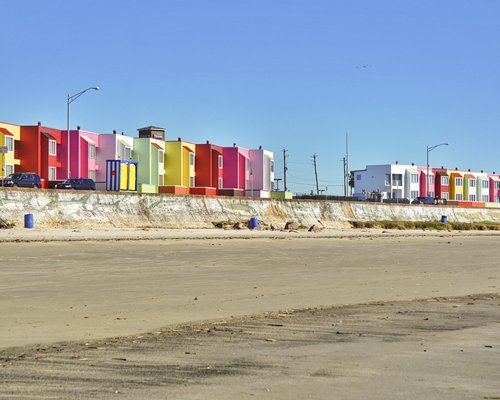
x: 254, y: 223
x: 444, y: 219
x: 29, y: 221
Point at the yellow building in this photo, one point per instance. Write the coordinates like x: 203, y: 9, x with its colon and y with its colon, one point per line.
x: 180, y: 164
x: 10, y: 135
x: 456, y: 186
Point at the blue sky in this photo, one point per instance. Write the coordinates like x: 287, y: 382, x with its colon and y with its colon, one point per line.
x: 396, y: 74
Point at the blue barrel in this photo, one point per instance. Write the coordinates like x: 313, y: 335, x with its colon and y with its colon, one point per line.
x: 254, y: 223
x: 444, y: 219
x: 29, y: 221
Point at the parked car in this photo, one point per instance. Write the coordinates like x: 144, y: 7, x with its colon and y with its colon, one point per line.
x: 424, y: 200
x: 23, y: 179
x: 77, y: 184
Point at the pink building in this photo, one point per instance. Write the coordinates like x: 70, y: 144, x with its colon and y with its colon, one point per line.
x: 236, y: 168
x: 495, y: 188
x: 428, y: 188
x: 83, y: 154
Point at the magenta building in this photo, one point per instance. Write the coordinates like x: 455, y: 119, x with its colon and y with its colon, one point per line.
x: 236, y: 168
x: 83, y: 154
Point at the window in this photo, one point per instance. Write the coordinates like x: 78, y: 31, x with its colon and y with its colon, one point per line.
x: 472, y: 197
x: 430, y: 180
x: 497, y: 199
x: 191, y: 180
x: 9, y: 142
x: 91, y: 150
x: 445, y: 195
x: 485, y: 198
x: 52, y: 172
x: 414, y: 178
x: 397, y: 180
x: 497, y: 185
x: 247, y: 164
x: 52, y: 148
x: 485, y: 184
x: 358, y: 177
x: 472, y: 183
x: 247, y: 184
x: 128, y: 153
x: 161, y: 156
x: 220, y: 183
x: 459, y: 181
x: 220, y: 161
x: 191, y: 159
x: 414, y: 194
x: 387, y: 179
x: 431, y: 194
x: 271, y: 166
x: 91, y: 174
x: 445, y: 181
x: 458, y: 196
x: 9, y: 169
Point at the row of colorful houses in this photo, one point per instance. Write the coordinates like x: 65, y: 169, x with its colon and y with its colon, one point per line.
x: 395, y: 181
x: 165, y: 166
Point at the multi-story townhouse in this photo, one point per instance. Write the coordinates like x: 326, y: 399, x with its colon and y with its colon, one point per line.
x: 441, y: 184
x: 388, y: 180
x: 494, y: 188
x: 84, y: 147
x: 426, y: 188
x: 456, y: 185
x: 9, y: 137
x: 412, y: 183
x: 236, y: 171
x: 209, y: 169
x: 261, y: 173
x: 45, y: 151
x: 470, y: 187
x: 180, y: 164
x: 483, y: 187
x: 112, y: 147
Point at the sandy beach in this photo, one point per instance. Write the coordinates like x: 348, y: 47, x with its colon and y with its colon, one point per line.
x: 60, y: 297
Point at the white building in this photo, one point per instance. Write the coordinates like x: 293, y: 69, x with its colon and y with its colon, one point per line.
x: 392, y: 181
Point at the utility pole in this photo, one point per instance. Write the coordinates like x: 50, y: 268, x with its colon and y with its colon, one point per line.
x: 284, y: 168
x: 346, y: 165
x: 277, y: 181
x: 316, y: 173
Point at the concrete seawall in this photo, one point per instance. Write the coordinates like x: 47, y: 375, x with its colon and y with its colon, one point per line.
x: 53, y: 208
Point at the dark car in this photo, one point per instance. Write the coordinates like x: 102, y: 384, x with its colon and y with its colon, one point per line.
x: 77, y: 184
x: 23, y: 179
x: 424, y: 200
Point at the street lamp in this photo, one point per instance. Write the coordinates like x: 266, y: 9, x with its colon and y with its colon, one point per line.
x: 429, y: 149
x: 71, y: 99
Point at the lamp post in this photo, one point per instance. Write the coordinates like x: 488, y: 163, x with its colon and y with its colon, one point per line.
x: 429, y: 149
x: 71, y: 99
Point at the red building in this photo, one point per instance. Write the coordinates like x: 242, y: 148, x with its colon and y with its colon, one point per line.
x: 44, y: 151
x: 441, y: 184
x: 208, y: 169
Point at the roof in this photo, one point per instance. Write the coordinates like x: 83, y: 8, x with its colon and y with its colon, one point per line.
x: 87, y: 139
x: 456, y: 174
x: 148, y: 128
x: 188, y: 149
x: 495, y: 178
x: 5, y: 132
x: 124, y: 142
x: 431, y: 172
x: 157, y: 146
x: 470, y: 176
x: 48, y: 136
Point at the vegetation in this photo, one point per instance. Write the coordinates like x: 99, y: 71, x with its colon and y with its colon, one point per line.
x: 433, y: 225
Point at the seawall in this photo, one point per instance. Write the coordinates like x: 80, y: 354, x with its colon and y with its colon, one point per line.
x: 58, y: 208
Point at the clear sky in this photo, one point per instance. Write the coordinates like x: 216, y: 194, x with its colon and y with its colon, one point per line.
x: 396, y: 74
